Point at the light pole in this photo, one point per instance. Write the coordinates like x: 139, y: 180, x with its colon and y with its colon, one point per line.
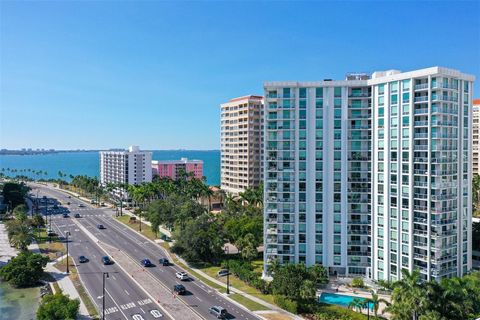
x: 67, y: 234
x: 105, y: 275
x: 228, y: 269
x: 140, y: 216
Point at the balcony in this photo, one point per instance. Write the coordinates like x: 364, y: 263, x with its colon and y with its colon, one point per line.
x: 421, y: 99
x: 421, y: 86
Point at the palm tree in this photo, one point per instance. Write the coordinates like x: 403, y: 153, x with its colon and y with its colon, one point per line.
x: 408, y: 296
x: 375, y: 301
x: 22, y: 236
x: 476, y: 191
x: 357, y: 304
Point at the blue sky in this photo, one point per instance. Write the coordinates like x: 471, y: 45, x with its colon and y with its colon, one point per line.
x: 86, y: 74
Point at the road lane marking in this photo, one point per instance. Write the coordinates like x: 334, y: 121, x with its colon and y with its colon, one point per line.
x: 116, y: 303
x: 126, y: 292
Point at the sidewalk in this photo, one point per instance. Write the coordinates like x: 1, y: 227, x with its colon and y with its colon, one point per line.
x: 66, y: 284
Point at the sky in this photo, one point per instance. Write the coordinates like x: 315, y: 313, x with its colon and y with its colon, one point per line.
x: 108, y: 74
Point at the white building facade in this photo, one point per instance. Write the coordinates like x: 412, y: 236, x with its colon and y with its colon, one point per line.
x: 334, y: 196
x: 131, y: 166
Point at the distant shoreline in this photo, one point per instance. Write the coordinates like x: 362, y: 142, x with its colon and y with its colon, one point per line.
x: 45, y: 152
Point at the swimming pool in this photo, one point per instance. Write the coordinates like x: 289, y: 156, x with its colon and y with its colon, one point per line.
x: 339, y: 299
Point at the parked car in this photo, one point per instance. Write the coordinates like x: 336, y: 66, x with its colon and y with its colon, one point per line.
x: 77, y: 215
x: 106, y: 260
x: 183, y: 276
x: 82, y: 259
x: 179, y: 289
x: 100, y: 226
x: 146, y: 263
x: 164, y: 262
x: 218, y: 312
x: 222, y: 272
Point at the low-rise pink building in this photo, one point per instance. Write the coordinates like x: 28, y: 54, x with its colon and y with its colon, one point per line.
x: 172, y: 168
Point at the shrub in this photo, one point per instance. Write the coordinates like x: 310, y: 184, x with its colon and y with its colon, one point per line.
x: 285, y: 303
x: 24, y: 270
x: 244, y: 271
x: 57, y: 307
x: 358, y: 283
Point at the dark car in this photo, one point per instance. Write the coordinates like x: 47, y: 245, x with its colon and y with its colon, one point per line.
x: 77, y: 215
x: 106, y: 260
x: 65, y: 215
x: 100, y: 226
x: 146, y: 263
x: 164, y: 261
x: 218, y: 312
x: 179, y: 289
x: 82, y: 259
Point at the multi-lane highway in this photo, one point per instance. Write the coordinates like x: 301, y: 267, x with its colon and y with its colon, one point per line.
x: 199, y: 297
x: 123, y: 298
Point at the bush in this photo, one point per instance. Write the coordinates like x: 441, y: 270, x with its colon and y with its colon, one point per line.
x: 244, y: 271
x: 358, y: 283
x: 285, y: 303
x: 57, y: 307
x: 24, y: 270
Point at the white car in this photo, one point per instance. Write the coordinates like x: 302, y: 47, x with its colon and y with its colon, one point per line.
x: 182, y: 276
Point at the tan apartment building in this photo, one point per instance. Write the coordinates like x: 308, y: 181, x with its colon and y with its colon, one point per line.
x: 241, y: 145
x: 476, y: 137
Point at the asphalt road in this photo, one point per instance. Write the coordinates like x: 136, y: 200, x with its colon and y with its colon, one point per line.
x: 123, y: 298
x: 199, y: 296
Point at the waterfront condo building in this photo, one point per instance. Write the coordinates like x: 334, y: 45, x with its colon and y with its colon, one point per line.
x: 130, y: 166
x: 370, y: 175
x: 173, y: 168
x: 241, y: 143
x: 476, y: 137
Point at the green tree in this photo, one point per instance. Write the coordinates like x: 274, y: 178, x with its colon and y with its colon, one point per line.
x: 20, y: 212
x: 375, y: 301
x: 22, y: 236
x: 408, y: 297
x: 58, y: 307
x: 24, y: 270
x: 14, y: 193
x: 200, y: 240
x: 247, y: 247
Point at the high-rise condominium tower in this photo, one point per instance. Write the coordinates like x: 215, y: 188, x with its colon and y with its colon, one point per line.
x: 130, y: 166
x: 370, y: 176
x: 476, y: 137
x: 241, y: 143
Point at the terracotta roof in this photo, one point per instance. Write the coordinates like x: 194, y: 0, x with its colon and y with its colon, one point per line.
x: 245, y: 98
x: 476, y: 102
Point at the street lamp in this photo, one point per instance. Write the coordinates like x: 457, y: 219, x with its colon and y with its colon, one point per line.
x: 228, y: 269
x: 67, y: 234
x: 105, y: 275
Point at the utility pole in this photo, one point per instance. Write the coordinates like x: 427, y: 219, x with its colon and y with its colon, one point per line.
x: 228, y: 269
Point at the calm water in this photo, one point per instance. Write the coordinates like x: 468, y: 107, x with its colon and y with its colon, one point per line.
x: 18, y: 303
x: 339, y: 299
x: 87, y: 163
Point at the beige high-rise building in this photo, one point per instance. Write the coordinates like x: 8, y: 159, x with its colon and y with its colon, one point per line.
x: 241, y: 143
x: 476, y: 137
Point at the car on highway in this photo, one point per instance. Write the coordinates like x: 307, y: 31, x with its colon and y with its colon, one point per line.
x: 69, y: 197
x: 164, y: 262
x: 218, y: 312
x: 50, y: 233
x: 182, y: 276
x: 68, y: 203
x: 146, y: 263
x: 222, y: 272
x: 82, y: 259
x: 77, y: 215
x: 179, y: 289
x: 100, y: 226
x: 106, y: 260
x: 65, y: 215
x: 81, y: 205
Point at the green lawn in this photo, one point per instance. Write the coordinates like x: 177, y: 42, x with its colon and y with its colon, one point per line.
x: 237, y: 283
x: 249, y: 304
x: 54, y: 249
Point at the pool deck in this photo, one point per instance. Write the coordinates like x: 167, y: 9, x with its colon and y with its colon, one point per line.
x: 338, y: 287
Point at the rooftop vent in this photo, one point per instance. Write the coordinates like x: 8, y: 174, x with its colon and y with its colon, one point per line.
x: 357, y: 76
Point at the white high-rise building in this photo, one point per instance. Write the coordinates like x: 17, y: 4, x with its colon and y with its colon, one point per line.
x: 131, y: 166
x: 476, y: 137
x: 370, y: 175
